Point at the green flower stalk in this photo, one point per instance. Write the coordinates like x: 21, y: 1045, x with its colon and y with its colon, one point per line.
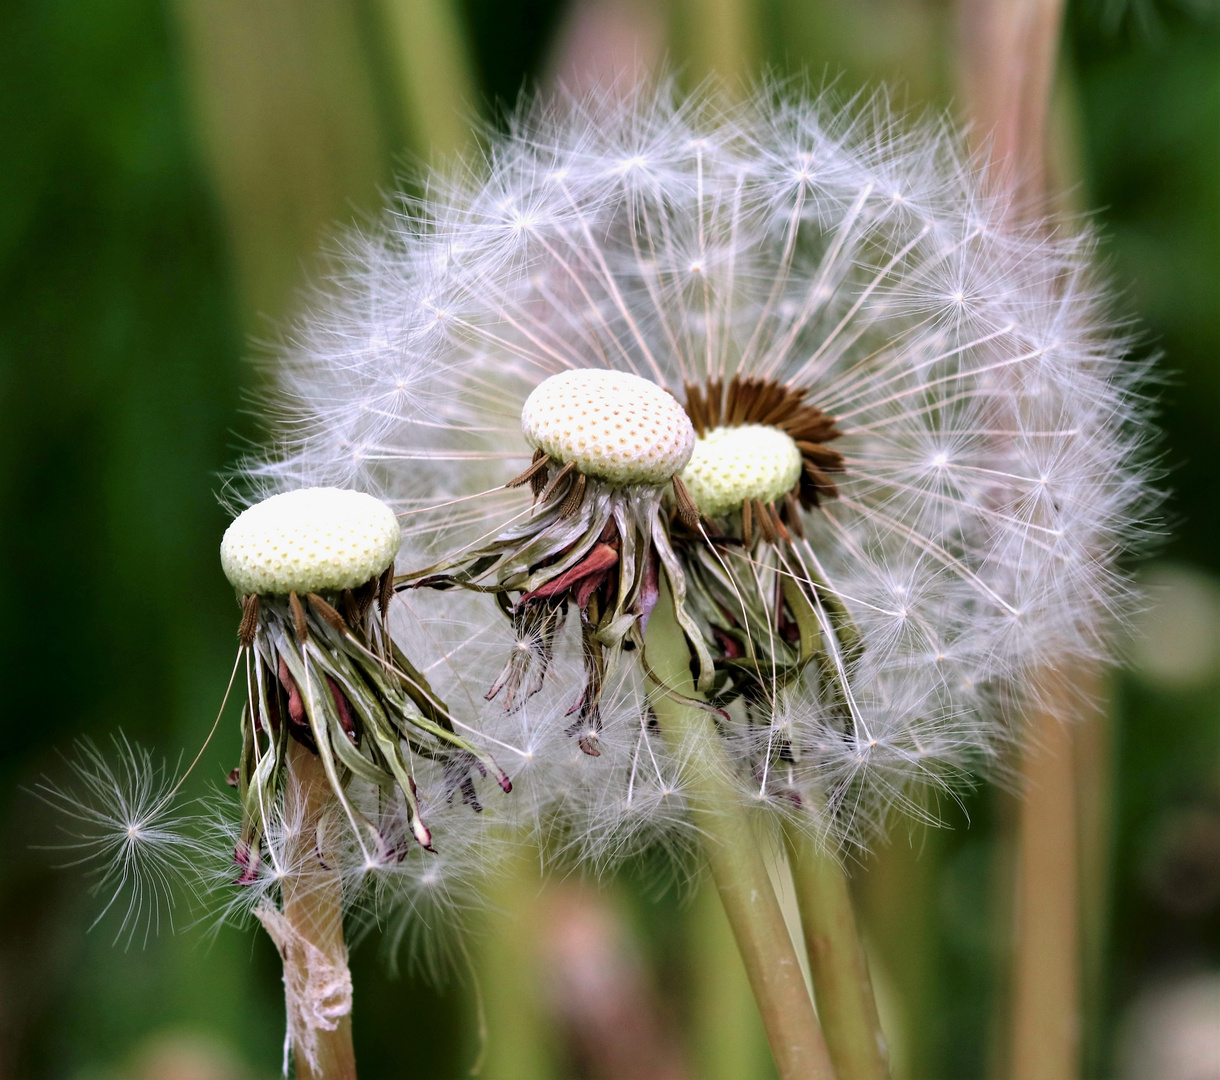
x: 738, y: 869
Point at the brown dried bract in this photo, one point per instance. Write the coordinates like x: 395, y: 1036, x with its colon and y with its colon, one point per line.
x: 298, y: 617
x: 249, y: 620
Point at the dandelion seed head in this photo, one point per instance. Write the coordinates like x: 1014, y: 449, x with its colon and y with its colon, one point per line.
x: 972, y: 462
x: 309, y: 540
x: 611, y: 424
x: 732, y: 464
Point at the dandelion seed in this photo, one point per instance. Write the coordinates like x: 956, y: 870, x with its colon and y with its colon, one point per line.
x: 125, y: 827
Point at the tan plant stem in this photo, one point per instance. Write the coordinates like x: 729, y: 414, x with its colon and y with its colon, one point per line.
x: 1045, y: 1036
x: 284, y: 108
x: 1009, y: 53
x: 720, y: 39
x: 841, y: 984
x: 732, y: 850
x: 608, y: 45
x: 1007, y: 57
x: 520, y: 1042
x: 1095, y: 815
x: 313, y: 909
x: 598, y: 991
x: 426, y: 46
x: 898, y: 905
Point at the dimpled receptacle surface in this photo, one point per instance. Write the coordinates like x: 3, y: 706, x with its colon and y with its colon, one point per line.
x: 614, y: 426
x: 732, y: 464
x: 309, y: 540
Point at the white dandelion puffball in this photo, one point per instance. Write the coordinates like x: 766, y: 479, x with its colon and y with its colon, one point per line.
x: 613, y: 425
x: 617, y: 276
x: 309, y: 540
x: 732, y: 464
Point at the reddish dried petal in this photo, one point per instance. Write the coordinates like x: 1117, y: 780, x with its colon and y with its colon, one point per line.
x: 296, y: 708
x: 346, y: 720
x: 600, y: 559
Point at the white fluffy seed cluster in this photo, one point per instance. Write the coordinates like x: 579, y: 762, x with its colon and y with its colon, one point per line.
x: 613, y: 425
x: 732, y: 464
x: 307, y: 540
x: 993, y: 426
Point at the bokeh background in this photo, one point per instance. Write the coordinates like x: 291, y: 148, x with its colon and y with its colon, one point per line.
x: 168, y: 172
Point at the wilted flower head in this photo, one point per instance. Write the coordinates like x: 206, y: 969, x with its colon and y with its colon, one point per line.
x: 909, y: 461
x: 309, y: 565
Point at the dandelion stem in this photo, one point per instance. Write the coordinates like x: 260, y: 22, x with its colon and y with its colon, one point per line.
x: 313, y: 908
x: 1009, y: 58
x: 837, y: 963
x: 1045, y: 1036
x: 286, y: 117
x: 841, y: 983
x: 519, y: 1040
x: 720, y: 36
x: 1008, y: 55
x: 733, y: 854
x: 727, y: 1040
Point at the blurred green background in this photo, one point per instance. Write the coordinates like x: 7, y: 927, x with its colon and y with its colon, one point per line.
x: 168, y: 171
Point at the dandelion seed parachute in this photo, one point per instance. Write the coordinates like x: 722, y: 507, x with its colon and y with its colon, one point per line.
x: 121, y: 820
x: 968, y: 429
